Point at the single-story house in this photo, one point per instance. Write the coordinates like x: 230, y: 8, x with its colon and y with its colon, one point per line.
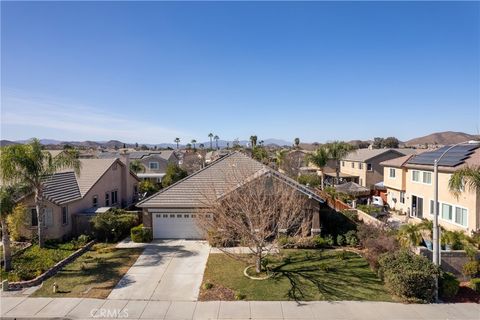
x: 170, y: 213
x: 101, y: 183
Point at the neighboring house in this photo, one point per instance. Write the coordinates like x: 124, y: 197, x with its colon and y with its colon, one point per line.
x: 101, y: 183
x: 154, y: 162
x: 362, y: 166
x: 410, y: 188
x: 215, y: 155
x: 171, y: 212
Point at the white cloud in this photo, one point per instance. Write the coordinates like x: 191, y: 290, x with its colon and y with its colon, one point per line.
x: 76, y: 122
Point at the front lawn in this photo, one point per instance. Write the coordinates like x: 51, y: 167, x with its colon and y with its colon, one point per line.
x: 297, y: 275
x: 92, y: 275
x: 35, y: 260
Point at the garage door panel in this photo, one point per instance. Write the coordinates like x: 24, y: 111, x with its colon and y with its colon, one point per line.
x: 175, y: 226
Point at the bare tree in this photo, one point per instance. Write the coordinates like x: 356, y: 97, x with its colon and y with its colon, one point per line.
x: 254, y: 210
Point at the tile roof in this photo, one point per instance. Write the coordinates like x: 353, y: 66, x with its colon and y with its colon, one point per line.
x: 215, y: 180
x: 363, y: 155
x: 396, y: 162
x: 66, y: 186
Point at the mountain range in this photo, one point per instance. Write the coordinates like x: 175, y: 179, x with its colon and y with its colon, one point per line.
x: 442, y: 138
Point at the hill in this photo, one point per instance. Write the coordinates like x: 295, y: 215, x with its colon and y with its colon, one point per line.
x: 443, y: 138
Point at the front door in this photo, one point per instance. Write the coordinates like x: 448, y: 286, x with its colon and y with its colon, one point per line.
x: 417, y: 207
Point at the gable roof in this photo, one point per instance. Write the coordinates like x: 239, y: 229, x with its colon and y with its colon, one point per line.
x: 396, y: 162
x: 164, y: 154
x: 363, y: 155
x: 217, y: 179
x: 66, y: 186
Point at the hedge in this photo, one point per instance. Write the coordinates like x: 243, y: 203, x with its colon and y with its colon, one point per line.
x: 141, y: 234
x: 448, y: 285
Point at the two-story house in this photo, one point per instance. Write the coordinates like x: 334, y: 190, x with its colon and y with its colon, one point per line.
x: 410, y: 189
x: 154, y: 162
x: 102, y: 183
x: 362, y: 166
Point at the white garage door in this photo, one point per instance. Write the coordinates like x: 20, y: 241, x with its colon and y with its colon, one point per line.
x: 175, y: 226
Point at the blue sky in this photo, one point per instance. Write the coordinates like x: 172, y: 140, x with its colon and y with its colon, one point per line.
x: 152, y: 71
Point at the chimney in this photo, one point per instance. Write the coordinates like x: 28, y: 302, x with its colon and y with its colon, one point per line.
x: 125, y: 158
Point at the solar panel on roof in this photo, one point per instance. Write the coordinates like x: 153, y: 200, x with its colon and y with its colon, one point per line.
x: 455, y: 156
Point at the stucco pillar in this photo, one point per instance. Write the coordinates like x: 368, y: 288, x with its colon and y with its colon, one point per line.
x: 316, y: 221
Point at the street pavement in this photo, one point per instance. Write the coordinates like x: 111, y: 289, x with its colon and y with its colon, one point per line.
x: 77, y: 308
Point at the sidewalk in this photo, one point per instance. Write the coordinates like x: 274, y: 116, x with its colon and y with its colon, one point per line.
x: 77, y: 308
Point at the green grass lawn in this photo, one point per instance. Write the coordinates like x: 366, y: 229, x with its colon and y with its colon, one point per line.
x: 297, y: 275
x: 34, y: 261
x: 92, y: 275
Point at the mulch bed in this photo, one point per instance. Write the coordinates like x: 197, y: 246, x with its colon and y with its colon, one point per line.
x: 216, y: 293
x: 465, y: 294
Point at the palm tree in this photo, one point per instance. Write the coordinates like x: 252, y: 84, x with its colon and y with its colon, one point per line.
x: 409, y: 235
x: 177, y: 141
x: 216, y: 138
x: 320, y: 158
x: 193, y: 143
x: 137, y: 166
x: 210, y: 135
x: 31, y: 166
x: 8, y: 197
x: 253, y: 141
x: 337, y: 150
x: 280, y: 157
x: 297, y: 142
x: 466, y: 177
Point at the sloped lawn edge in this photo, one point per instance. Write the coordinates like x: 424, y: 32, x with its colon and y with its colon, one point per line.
x: 52, y: 271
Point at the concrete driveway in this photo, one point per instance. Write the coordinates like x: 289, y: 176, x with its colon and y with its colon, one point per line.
x: 166, y: 270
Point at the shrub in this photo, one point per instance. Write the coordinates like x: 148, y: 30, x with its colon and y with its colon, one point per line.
x: 207, y: 285
x: 16, y: 221
x: 351, y: 214
x: 351, y: 238
x: 475, y: 284
x: 448, y: 285
x: 409, y: 276
x: 369, y: 209
x: 113, y: 225
x: 378, y: 242
x: 312, y: 180
x: 81, y: 241
x: 141, y: 234
x: 309, y: 242
x: 329, y: 240
x: 340, y: 240
x: 471, y: 268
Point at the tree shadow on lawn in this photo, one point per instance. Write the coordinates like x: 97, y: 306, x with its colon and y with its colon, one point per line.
x: 330, y: 277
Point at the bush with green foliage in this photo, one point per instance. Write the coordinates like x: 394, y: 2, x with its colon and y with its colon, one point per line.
x: 148, y: 187
x: 113, y: 225
x: 141, y: 234
x: 311, y: 180
x: 351, y: 214
x: 81, y: 241
x: 471, y: 268
x: 409, y: 276
x: 475, y: 284
x: 448, y: 285
x: 173, y: 174
x: 340, y: 240
x: 351, y: 238
x: 369, y: 209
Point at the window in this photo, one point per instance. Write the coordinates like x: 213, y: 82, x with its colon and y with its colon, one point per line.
x: 153, y: 165
x: 461, y: 216
x: 185, y: 215
x: 64, y: 215
x: 360, y: 165
x: 165, y: 215
x: 402, y: 197
x: 107, y: 199
x: 432, y: 204
x: 369, y: 167
x: 427, y: 177
x: 416, y: 176
x: 446, y: 211
x: 343, y: 163
x: 95, y: 201
x: 392, y: 173
x: 353, y: 164
x: 48, y: 217
x: 179, y: 215
x: 172, y: 216
x: 34, y: 217
x: 114, y: 195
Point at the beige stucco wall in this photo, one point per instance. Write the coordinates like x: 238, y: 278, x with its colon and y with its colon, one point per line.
x: 346, y: 167
x: 467, y: 199
x: 113, y: 179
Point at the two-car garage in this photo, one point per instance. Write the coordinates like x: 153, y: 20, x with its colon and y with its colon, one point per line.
x: 178, y: 225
